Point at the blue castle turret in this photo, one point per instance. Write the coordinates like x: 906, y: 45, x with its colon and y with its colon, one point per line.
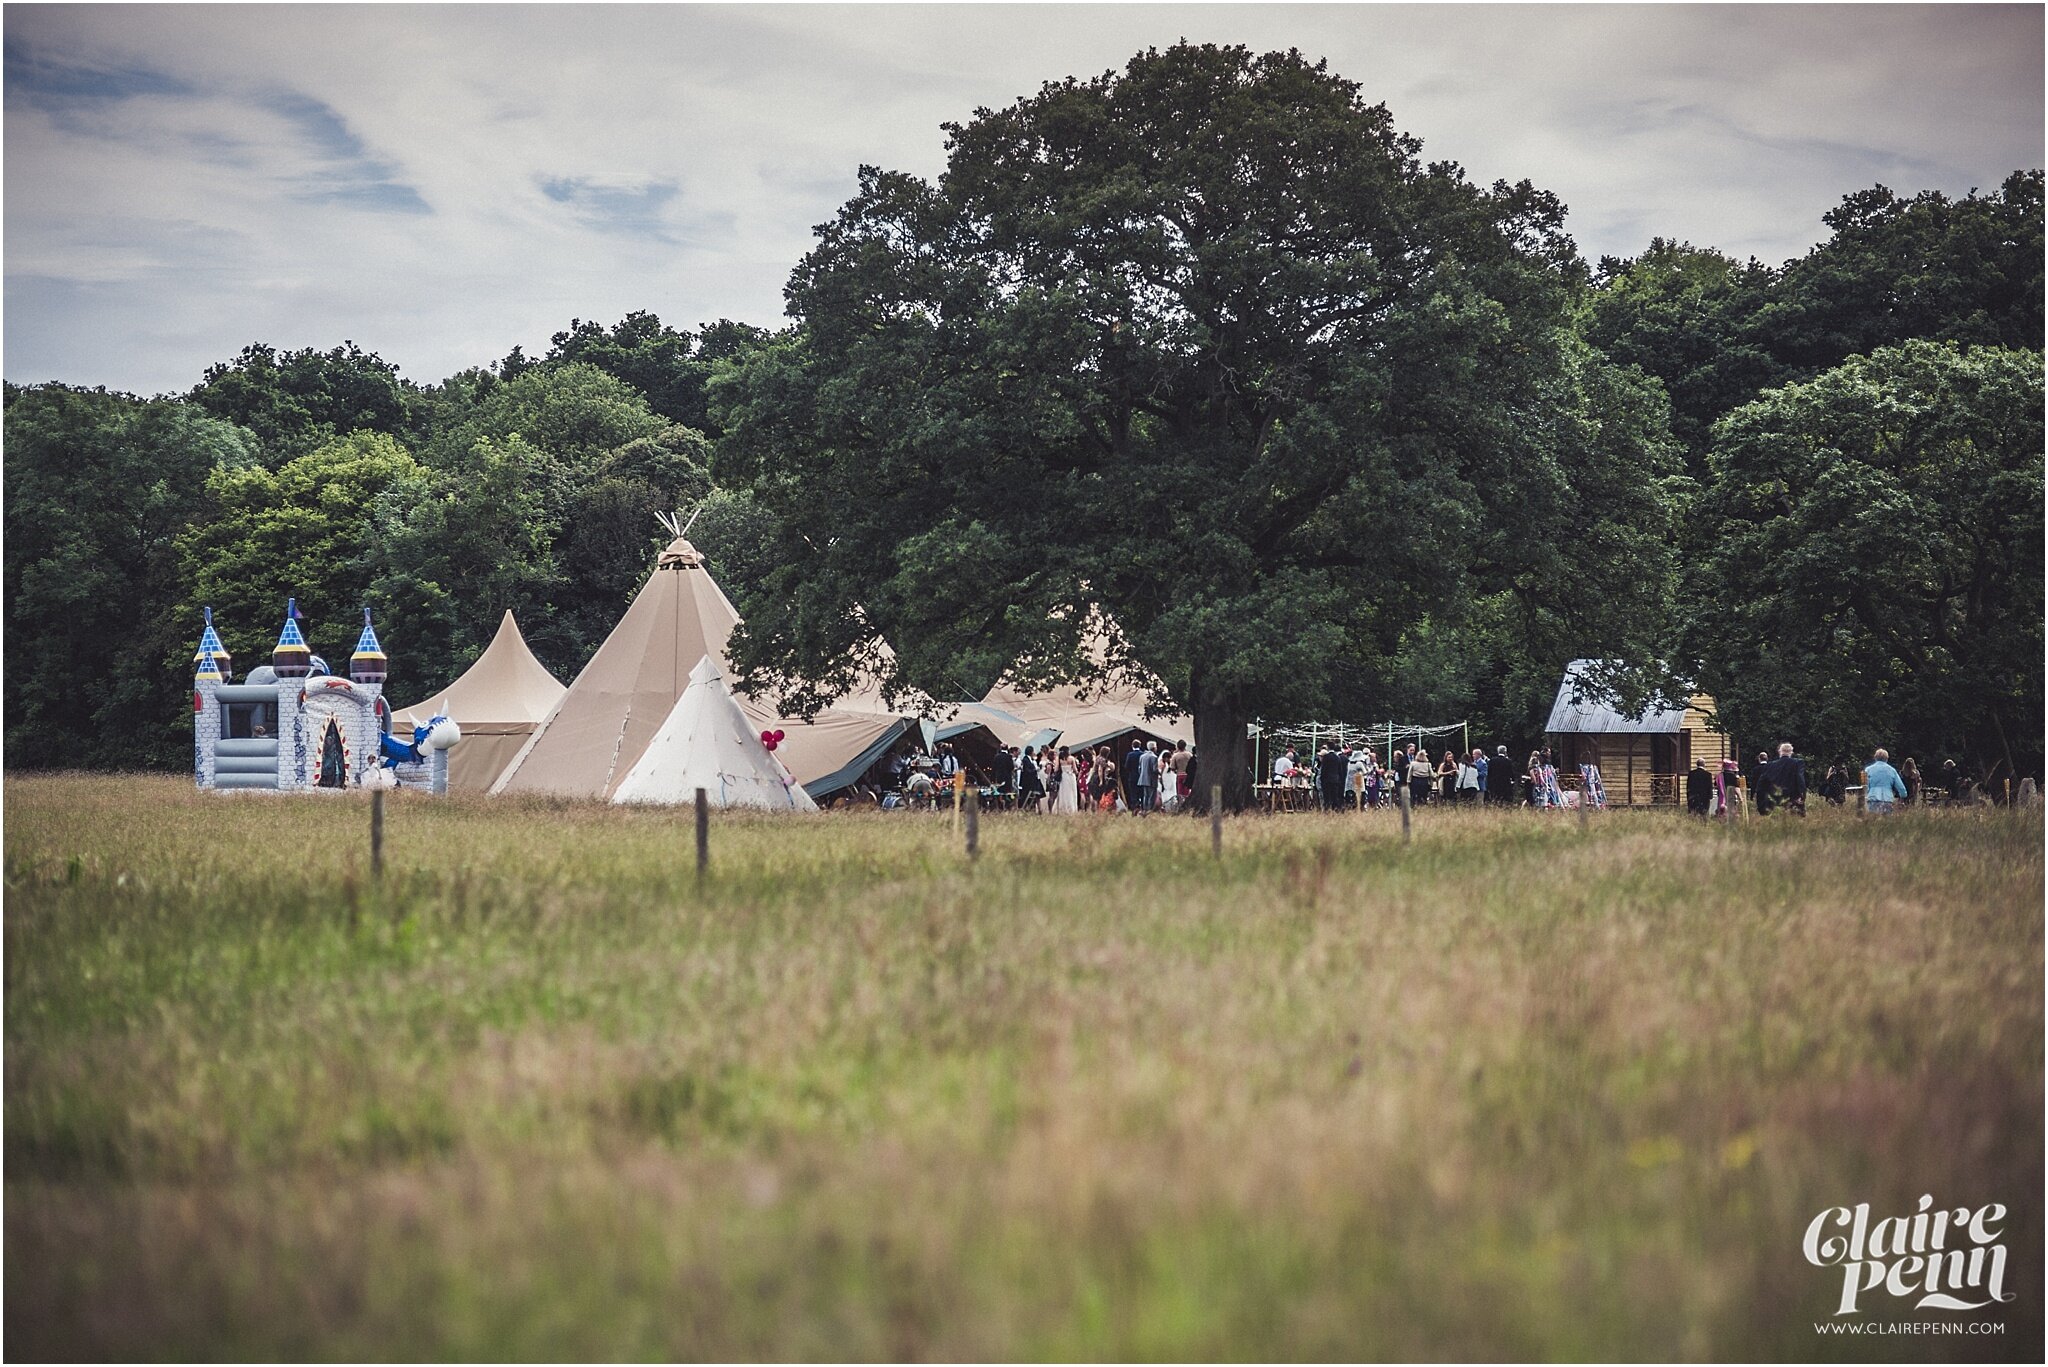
x: 367, y: 665
x: 293, y: 659
x: 210, y: 669
x: 211, y: 661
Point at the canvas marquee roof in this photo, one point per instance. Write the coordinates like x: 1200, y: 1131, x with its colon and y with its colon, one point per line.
x: 963, y: 717
x: 1104, y: 713
x: 620, y: 699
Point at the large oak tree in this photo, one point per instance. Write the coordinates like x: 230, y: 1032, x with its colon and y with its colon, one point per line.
x: 1203, y: 345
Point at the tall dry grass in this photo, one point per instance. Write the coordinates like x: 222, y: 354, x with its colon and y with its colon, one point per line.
x: 1519, y: 1090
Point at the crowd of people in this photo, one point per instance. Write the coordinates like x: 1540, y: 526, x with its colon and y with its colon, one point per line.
x: 1780, y: 782
x: 1353, y: 777
x: 1149, y: 776
x: 1156, y: 776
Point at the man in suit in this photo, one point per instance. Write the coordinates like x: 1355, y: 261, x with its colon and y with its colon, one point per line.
x: 1786, y: 776
x: 1132, y: 762
x: 1500, y: 778
x: 1030, y: 783
x: 1699, y: 789
x: 1330, y: 766
x: 1004, y: 769
x: 1148, y: 776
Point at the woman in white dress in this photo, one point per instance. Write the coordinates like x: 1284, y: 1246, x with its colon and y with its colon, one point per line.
x: 1069, y: 798
x: 1169, y: 782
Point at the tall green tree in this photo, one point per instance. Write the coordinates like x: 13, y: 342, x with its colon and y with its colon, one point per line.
x: 304, y: 530
x: 437, y: 409
x: 295, y: 401
x: 1717, y: 333
x: 739, y: 538
x: 668, y: 366
x: 1603, y: 509
x: 1202, y: 344
x: 1963, y: 270
x: 452, y: 553
x: 99, y: 486
x: 611, y: 529
x: 574, y: 414
x: 1876, y: 573
x: 1683, y: 314
x: 595, y: 465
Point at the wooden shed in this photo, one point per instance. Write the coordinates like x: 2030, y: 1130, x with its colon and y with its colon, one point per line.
x: 1643, y: 760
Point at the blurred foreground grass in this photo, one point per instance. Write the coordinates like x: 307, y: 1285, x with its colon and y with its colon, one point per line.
x: 1521, y: 1090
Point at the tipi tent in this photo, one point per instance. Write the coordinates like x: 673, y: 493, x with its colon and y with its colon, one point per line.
x: 708, y: 743
x: 604, y: 721
x: 1106, y: 713
x: 603, y: 724
x: 498, y: 702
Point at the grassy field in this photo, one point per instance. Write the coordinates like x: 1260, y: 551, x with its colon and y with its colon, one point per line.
x: 1521, y: 1089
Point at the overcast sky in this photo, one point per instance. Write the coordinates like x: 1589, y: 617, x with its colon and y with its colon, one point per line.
x: 441, y: 183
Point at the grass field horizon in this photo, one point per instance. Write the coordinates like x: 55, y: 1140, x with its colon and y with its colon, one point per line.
x: 1525, y: 1088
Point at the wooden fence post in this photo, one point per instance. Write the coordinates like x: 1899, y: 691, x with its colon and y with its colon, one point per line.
x: 973, y: 823
x: 703, y: 834
x: 1216, y: 820
x: 376, y: 833
x: 1405, y: 804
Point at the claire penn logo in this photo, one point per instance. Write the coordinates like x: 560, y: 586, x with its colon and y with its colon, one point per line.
x: 1949, y: 1259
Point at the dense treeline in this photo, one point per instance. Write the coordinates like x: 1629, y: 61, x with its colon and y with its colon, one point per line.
x: 1816, y: 489
x: 530, y: 485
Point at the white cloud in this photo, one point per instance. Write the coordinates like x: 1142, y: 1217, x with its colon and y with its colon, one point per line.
x: 441, y: 183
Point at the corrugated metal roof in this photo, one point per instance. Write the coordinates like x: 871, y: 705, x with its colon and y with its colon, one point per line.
x: 1590, y: 717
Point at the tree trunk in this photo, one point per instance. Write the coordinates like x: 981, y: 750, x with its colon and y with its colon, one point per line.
x: 1223, y: 753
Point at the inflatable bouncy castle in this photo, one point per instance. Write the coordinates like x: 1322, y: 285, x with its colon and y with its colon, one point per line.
x: 292, y: 725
